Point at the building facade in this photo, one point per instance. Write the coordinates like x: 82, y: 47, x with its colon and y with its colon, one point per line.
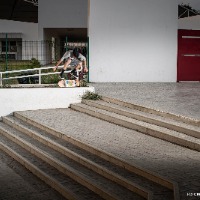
x: 129, y: 40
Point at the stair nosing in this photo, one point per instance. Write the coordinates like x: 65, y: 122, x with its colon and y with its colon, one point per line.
x: 40, y: 174
x: 73, y: 154
x: 136, y: 169
x: 60, y: 166
x: 158, y: 120
x: 187, y: 120
x: 145, y: 125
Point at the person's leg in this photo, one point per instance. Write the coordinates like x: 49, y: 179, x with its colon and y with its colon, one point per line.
x: 61, y: 73
x: 76, y: 73
x: 79, y: 66
x: 66, y: 64
x: 65, y: 67
x: 80, y: 71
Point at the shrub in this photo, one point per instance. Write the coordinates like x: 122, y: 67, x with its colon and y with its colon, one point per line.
x: 83, y: 83
x: 35, y: 63
x: 91, y: 96
x: 50, y: 79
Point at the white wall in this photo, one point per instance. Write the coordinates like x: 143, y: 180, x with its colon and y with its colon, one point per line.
x: 29, y: 30
x: 21, y: 99
x: 62, y: 14
x: 133, y: 40
x: 191, y: 23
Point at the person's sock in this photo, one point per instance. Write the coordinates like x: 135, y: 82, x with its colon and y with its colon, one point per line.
x: 61, y: 73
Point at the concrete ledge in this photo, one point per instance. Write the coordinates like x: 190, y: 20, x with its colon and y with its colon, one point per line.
x: 21, y: 99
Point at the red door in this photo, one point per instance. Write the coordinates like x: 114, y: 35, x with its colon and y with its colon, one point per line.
x: 188, y: 55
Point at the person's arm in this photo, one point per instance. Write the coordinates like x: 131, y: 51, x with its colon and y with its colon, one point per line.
x: 83, y: 59
x: 85, y: 69
x: 65, y: 56
x: 58, y: 63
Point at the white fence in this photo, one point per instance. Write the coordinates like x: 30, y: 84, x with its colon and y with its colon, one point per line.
x: 39, y: 74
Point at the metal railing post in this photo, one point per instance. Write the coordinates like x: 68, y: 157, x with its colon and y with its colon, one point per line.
x: 40, y: 76
x: 1, y: 76
x: 88, y: 58
x: 6, y: 54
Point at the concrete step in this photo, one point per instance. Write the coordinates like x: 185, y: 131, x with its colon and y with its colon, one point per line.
x: 86, y: 159
x: 95, y: 155
x: 87, y: 178
x: 141, y: 126
x: 187, y: 120
x: 18, y: 183
x: 148, y: 117
x: 39, y: 168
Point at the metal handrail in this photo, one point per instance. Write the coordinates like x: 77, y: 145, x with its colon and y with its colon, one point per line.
x: 32, y: 75
x: 25, y: 70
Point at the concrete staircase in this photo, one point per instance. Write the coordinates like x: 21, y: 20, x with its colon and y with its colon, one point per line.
x: 79, y: 171
x: 166, y: 126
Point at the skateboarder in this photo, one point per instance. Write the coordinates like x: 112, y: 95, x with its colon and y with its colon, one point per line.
x: 74, y: 60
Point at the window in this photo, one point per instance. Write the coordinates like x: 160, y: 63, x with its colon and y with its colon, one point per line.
x: 11, y: 46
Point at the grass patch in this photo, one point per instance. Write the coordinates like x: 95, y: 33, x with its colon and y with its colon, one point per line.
x: 91, y: 96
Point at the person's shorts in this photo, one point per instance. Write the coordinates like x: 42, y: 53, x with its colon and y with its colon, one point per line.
x: 74, y: 73
x: 73, y: 63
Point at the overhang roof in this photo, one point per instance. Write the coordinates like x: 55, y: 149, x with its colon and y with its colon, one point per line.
x: 18, y: 10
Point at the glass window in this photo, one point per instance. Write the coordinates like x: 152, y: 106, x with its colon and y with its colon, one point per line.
x: 11, y: 46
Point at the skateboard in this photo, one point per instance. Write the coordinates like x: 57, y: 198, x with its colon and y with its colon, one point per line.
x: 68, y: 83
x: 74, y: 79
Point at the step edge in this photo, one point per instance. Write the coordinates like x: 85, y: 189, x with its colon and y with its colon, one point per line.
x: 80, y: 159
x: 182, y: 118
x: 142, y: 128
x: 39, y: 173
x: 136, y: 169
x: 60, y: 166
x: 147, y: 119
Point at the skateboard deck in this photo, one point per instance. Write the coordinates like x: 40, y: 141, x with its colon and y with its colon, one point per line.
x: 67, y: 83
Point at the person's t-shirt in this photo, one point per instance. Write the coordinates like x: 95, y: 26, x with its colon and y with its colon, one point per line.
x: 69, y: 54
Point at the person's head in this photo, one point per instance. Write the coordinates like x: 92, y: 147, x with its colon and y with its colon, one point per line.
x: 76, y: 52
